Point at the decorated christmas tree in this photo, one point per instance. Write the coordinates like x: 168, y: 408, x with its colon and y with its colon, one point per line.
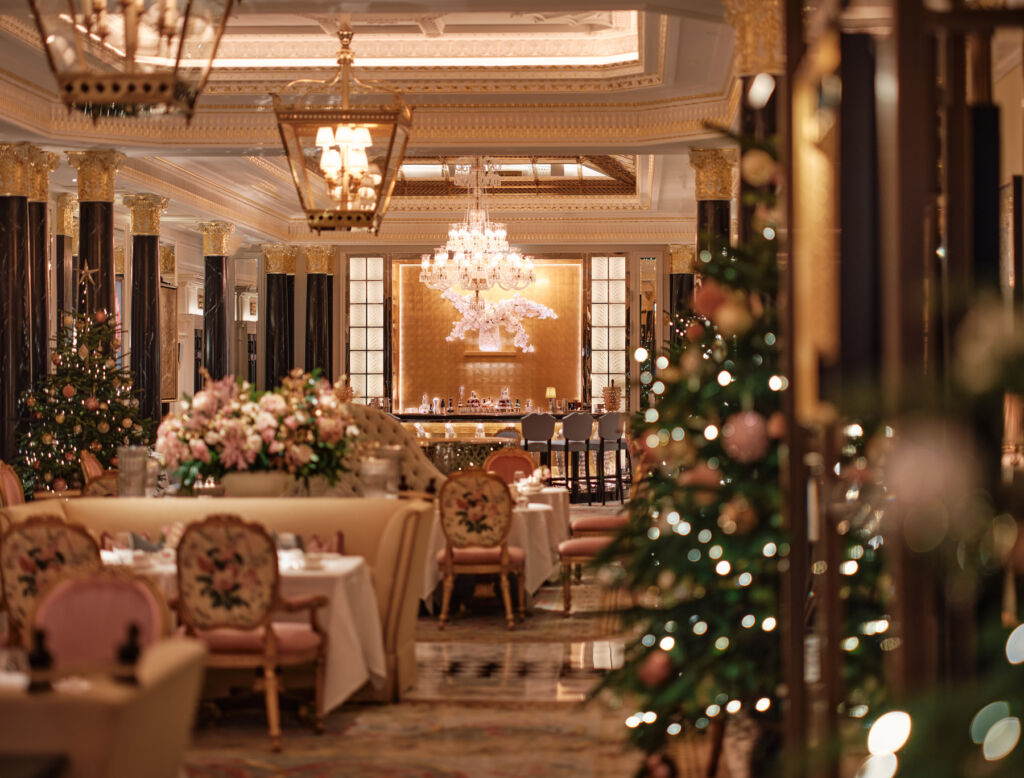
x: 705, y: 541
x: 86, y: 404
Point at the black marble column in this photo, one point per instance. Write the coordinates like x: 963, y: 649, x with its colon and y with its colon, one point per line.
x: 290, y: 314
x: 39, y: 297
x: 145, y: 323
x: 14, y: 366
x: 96, y: 255
x: 216, y: 316
x: 63, y: 253
x: 712, y: 224
x: 277, y: 359
x: 759, y: 124
x: 319, y: 315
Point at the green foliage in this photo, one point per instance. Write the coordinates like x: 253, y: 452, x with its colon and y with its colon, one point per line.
x: 86, y: 403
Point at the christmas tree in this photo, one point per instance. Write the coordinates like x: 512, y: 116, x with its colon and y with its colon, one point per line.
x: 87, y: 403
x: 705, y: 541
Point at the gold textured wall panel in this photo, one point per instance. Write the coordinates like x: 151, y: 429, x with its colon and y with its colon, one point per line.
x: 426, y: 362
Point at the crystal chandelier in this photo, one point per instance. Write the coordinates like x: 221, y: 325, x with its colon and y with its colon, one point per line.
x: 344, y: 159
x: 487, y: 319
x: 131, y: 57
x: 477, y: 255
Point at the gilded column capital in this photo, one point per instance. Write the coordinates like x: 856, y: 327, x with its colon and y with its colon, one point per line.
x: 67, y: 207
x: 96, y: 169
x: 145, y: 212
x: 759, y: 37
x: 167, y: 261
x: 14, y: 169
x: 119, y: 260
x: 215, y: 238
x: 680, y: 258
x: 320, y: 259
x: 714, y: 171
x: 280, y: 257
x: 40, y: 165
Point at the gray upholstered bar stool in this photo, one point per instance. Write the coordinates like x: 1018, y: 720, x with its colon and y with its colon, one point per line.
x: 537, y: 431
x: 576, y: 429
x: 610, y: 437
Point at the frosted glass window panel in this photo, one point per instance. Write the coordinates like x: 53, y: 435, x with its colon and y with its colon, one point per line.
x: 617, y: 338
x: 358, y: 383
x: 599, y: 362
x: 357, y: 292
x: 375, y: 292
x: 599, y: 267
x: 375, y: 268
x: 599, y: 315
x: 616, y: 267
x: 599, y: 292
x: 617, y: 362
x: 375, y: 362
x: 598, y: 382
x: 620, y: 380
x: 374, y: 315
x: 357, y: 362
x: 599, y: 338
x: 356, y: 268
x: 357, y: 339
x: 375, y: 339
x: 617, y: 315
x: 374, y: 386
x: 616, y: 291
x: 357, y: 316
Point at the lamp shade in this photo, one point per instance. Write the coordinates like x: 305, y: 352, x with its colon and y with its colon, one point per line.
x: 549, y: 393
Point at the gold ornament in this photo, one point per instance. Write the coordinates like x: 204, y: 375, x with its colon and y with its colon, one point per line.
x: 31, y: 402
x: 83, y: 351
x: 59, y: 418
x: 103, y: 428
x: 109, y: 364
x: 47, y: 477
x: 47, y: 439
x: 126, y: 422
x: 95, y: 445
x: 77, y: 429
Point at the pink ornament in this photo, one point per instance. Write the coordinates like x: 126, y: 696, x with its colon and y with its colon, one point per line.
x: 694, y: 332
x: 708, y: 297
x: 777, y: 426
x: 100, y: 316
x: 59, y: 485
x: 91, y: 403
x: 655, y: 669
x: 68, y: 391
x: 745, y: 436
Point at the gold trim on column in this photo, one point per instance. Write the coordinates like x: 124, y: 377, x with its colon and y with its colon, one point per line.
x: 215, y: 238
x: 40, y: 165
x: 167, y: 262
x: 280, y: 257
x: 680, y: 258
x: 67, y: 207
x: 759, y: 36
x: 119, y: 260
x: 74, y: 235
x: 96, y: 169
x: 714, y: 171
x: 145, y: 212
x: 320, y: 259
x: 14, y: 169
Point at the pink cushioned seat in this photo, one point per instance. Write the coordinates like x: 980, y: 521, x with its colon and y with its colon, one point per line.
x: 292, y: 638
x: 475, y: 555
x: 583, y: 546
x: 599, y: 523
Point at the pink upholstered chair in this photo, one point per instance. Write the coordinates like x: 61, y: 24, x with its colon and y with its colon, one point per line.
x: 228, y: 591
x: 98, y: 481
x: 506, y: 462
x: 35, y: 553
x: 11, y: 492
x: 86, y: 617
x: 575, y: 552
x: 476, y: 516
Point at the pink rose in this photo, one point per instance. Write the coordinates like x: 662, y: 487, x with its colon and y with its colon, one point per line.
x: 330, y: 430
x: 199, y: 450
x: 273, y: 404
x: 204, y: 403
x: 291, y: 422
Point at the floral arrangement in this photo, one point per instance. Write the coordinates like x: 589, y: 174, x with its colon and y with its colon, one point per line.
x: 302, y: 427
x: 487, y: 317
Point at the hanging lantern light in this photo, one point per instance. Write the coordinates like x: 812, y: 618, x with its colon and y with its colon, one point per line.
x: 344, y: 159
x: 131, y: 57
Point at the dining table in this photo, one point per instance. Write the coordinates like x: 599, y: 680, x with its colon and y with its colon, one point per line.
x: 558, y: 498
x: 351, y: 618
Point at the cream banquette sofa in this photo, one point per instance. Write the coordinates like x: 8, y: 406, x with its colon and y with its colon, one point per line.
x: 391, y: 535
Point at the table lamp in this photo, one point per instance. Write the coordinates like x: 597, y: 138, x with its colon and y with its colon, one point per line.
x: 549, y: 393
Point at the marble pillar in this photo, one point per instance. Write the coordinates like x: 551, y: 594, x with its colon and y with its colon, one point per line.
x: 279, y: 259
x: 217, y: 302
x: 145, y: 212
x: 320, y: 309
x: 680, y: 288
x: 14, y: 326
x: 96, y: 169
x: 67, y: 205
x: 40, y: 165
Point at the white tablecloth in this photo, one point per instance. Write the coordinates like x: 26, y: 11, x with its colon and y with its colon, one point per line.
x: 355, y: 641
x: 558, y: 498
x: 534, y: 529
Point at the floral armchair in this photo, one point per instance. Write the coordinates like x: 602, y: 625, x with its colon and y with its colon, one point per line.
x: 228, y: 591
x: 33, y: 555
x: 476, y: 516
x: 11, y: 492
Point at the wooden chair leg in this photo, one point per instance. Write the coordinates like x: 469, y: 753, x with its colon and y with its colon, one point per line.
x: 521, y: 580
x: 566, y: 589
x: 506, y: 596
x: 446, y: 598
x: 273, y: 709
x: 318, y: 693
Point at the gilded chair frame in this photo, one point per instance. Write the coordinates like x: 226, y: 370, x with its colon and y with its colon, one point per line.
x: 269, y: 658
x: 5, y: 499
x: 103, y: 485
x: 504, y: 566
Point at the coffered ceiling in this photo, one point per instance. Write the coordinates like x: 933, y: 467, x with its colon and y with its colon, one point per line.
x: 590, y: 109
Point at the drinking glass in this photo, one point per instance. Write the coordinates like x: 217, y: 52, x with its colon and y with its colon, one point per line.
x: 374, y: 474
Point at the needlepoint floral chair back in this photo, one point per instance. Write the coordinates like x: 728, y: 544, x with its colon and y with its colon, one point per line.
x: 33, y: 555
x: 476, y: 509
x: 227, y: 574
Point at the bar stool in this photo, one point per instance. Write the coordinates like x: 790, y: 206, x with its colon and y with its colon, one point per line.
x: 577, y: 428
x: 610, y: 438
x: 538, y: 429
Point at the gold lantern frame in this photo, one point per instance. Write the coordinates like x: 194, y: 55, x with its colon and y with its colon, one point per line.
x: 297, y: 122
x: 98, y: 91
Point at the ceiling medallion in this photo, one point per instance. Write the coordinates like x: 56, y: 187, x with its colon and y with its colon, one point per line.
x: 128, y: 62
x: 477, y: 255
x: 344, y: 159
x: 488, y: 319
